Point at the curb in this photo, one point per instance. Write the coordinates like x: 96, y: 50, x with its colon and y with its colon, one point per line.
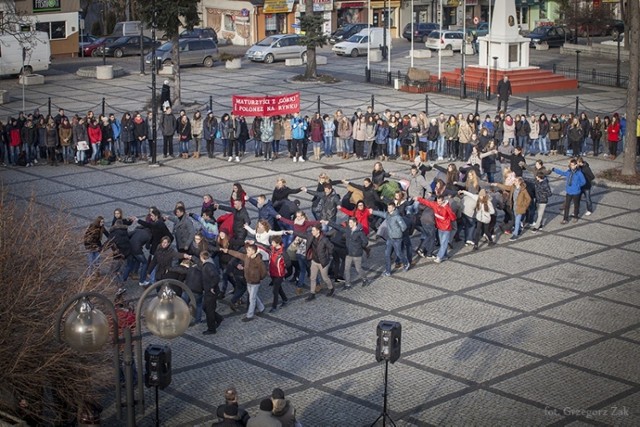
x: 601, y: 182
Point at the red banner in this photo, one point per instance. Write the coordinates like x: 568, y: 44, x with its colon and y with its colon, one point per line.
x: 263, y: 106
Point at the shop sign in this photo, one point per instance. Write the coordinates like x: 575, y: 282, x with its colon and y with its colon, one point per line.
x: 46, y: 6
x: 278, y: 6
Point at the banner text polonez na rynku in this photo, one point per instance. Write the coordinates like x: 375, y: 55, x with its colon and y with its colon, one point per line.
x: 263, y: 106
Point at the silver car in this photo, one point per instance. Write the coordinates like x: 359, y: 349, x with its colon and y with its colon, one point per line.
x: 448, y: 40
x: 277, y: 48
x: 192, y: 52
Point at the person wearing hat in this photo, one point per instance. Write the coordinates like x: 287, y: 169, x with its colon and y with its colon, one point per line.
x: 264, y: 418
x: 282, y: 408
x: 231, y: 399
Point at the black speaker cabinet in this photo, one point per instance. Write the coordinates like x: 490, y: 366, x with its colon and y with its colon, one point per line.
x: 157, y: 366
x: 388, y: 341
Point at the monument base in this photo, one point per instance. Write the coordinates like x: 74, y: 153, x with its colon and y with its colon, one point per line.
x: 523, y: 80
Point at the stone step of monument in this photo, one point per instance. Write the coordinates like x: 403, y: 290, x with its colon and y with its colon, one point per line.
x: 523, y: 81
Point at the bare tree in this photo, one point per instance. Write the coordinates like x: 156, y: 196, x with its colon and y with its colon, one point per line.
x: 42, y: 264
x: 632, y: 36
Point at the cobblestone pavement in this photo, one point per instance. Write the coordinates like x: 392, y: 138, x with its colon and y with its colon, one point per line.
x: 541, y: 331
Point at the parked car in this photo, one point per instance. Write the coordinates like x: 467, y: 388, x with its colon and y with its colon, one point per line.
x: 192, y: 52
x: 448, y: 40
x: 481, y: 30
x: 128, y: 45
x: 277, y: 48
x: 85, y: 40
x: 616, y: 29
x: 91, y: 49
x: 366, y: 39
x: 200, y: 33
x: 346, y: 31
x: 554, y: 36
x: 420, y: 31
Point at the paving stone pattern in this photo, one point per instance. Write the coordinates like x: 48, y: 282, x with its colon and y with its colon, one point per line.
x: 542, y: 331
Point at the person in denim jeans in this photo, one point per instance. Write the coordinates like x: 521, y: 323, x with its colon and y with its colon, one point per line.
x: 329, y: 130
x: 519, y: 200
x: 395, y: 229
x: 95, y: 138
x: 254, y: 272
x: 444, y: 217
x: 543, y: 135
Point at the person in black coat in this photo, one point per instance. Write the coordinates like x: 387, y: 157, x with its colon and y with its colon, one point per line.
x: 165, y: 95
x: 210, y: 280
x: 240, y: 219
x: 586, y: 188
x: 120, y: 245
x: 504, y: 92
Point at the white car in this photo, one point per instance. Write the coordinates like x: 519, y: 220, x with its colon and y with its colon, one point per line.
x: 448, y: 40
x: 369, y: 38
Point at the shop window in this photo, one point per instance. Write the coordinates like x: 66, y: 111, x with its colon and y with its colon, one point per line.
x: 56, y: 30
x: 275, y: 24
x: 229, y: 23
x: 543, y: 9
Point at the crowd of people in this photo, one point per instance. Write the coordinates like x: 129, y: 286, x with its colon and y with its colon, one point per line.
x: 32, y: 138
x: 221, y: 250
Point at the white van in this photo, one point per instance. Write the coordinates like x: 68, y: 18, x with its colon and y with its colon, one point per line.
x: 357, y: 44
x: 37, y: 55
x: 126, y: 28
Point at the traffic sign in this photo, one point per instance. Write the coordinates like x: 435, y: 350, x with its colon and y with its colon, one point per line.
x: 476, y: 20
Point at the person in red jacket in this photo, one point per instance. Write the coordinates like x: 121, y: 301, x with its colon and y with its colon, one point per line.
x: 95, y: 138
x: 278, y: 270
x: 444, y: 217
x: 613, y: 136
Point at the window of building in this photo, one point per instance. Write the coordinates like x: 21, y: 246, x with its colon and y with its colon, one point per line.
x: 56, y: 29
x: 229, y: 23
x: 543, y: 9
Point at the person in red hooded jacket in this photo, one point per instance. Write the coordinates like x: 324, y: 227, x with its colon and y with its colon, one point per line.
x: 444, y: 217
x: 278, y: 260
x: 613, y: 136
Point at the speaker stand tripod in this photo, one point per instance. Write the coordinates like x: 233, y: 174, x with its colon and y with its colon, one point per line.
x: 385, y: 414
x: 157, y: 409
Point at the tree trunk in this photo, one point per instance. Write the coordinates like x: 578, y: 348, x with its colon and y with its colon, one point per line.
x: 629, y: 166
x: 176, y: 70
x: 311, y: 70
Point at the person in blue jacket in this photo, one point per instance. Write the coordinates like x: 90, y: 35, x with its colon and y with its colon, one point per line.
x: 574, y: 183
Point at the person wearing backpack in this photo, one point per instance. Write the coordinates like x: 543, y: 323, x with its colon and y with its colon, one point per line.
x: 279, y: 262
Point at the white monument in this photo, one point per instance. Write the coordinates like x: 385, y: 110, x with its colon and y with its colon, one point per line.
x: 504, y: 41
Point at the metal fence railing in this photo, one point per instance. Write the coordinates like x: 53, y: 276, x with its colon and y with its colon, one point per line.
x: 591, y: 76
x: 443, y: 86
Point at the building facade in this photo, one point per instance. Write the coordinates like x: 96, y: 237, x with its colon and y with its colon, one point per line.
x: 60, y: 19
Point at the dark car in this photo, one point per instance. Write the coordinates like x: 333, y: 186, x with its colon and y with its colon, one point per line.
x: 420, y: 31
x: 127, y: 45
x: 616, y: 29
x: 92, y: 48
x: 200, y: 33
x: 551, y: 35
x: 346, y: 31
